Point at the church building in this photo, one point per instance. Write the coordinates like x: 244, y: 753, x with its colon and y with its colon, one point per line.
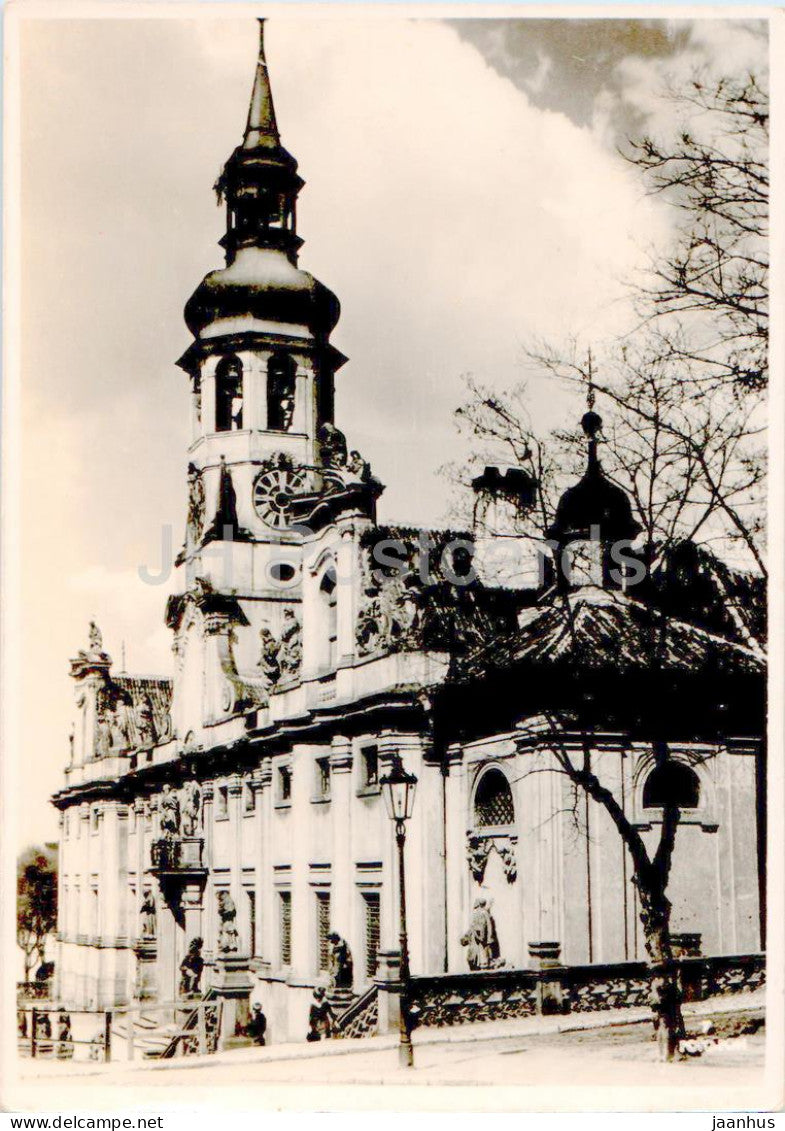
x: 234, y: 808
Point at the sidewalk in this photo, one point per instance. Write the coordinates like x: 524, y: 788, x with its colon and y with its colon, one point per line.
x: 496, y: 1032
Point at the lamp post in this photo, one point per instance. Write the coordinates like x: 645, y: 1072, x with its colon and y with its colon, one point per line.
x: 398, y: 788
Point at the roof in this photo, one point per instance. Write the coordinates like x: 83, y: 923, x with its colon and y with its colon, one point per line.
x: 594, y: 629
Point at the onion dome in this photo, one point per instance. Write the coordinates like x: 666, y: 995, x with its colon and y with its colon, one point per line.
x: 265, y: 284
x: 261, y: 279
x: 594, y: 504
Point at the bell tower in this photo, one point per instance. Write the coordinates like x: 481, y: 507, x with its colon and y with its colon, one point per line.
x: 261, y: 364
x: 269, y: 475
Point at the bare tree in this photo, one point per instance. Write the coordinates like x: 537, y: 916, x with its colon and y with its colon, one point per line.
x: 577, y: 760
x: 691, y: 459
x: 708, y: 295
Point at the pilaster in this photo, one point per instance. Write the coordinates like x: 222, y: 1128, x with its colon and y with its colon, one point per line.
x: 341, y: 762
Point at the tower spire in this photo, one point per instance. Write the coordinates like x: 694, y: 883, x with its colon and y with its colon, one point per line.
x: 261, y: 130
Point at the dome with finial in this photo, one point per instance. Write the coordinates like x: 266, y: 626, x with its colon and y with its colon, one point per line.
x: 261, y: 279
x: 594, y: 503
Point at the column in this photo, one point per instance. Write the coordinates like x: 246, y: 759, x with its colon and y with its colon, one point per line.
x: 258, y: 781
x: 268, y: 906
x: 208, y: 920
x: 302, y: 908
x: 340, y: 813
x: 235, y: 791
x: 455, y: 856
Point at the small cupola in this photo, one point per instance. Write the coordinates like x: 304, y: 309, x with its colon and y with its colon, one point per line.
x: 594, y: 523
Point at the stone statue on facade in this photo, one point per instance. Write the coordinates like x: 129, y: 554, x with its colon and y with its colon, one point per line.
x: 481, y: 940
x: 169, y: 808
x: 333, y: 446
x: 269, y: 656
x: 190, y: 808
x: 191, y: 969
x: 195, y: 504
x: 228, y: 939
x: 145, y: 724
x: 291, y: 648
x: 358, y: 468
x: 96, y: 640
x: 147, y: 914
x: 339, y: 963
x: 119, y: 727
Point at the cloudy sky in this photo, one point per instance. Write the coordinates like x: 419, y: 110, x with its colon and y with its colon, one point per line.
x: 464, y: 195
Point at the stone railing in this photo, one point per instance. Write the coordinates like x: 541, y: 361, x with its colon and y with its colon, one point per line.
x: 361, y: 1018
x: 454, y: 999
x: 493, y: 995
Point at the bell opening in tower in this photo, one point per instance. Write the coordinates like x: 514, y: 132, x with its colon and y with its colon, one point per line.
x: 229, y: 395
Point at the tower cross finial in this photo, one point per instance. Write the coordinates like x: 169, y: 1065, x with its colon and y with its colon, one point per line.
x: 590, y: 383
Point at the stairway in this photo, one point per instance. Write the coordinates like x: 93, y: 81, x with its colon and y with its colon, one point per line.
x: 157, y: 1040
x: 151, y: 1037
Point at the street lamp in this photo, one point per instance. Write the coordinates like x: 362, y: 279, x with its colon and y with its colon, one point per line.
x: 398, y: 788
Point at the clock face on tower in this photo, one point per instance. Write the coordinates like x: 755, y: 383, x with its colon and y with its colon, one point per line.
x: 273, y: 492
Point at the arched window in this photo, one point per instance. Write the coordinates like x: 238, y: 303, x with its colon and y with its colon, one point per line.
x: 672, y: 783
x: 328, y: 621
x: 228, y: 395
x: 493, y: 803
x: 281, y: 374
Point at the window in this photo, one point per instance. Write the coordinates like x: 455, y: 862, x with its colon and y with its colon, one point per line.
x: 285, y: 926
x: 281, y: 374
x: 95, y: 819
x: 672, y: 783
x: 369, y: 767
x: 228, y: 395
x: 222, y: 803
x: 249, y: 798
x: 251, y: 896
x: 372, y: 929
x: 67, y: 824
x: 327, y: 629
x: 284, y: 784
x: 493, y: 800
x: 323, y: 779
x: 322, y: 930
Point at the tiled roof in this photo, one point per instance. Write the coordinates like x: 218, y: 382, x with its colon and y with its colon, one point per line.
x: 593, y: 629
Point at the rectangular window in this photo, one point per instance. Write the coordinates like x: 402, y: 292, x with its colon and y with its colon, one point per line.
x: 323, y: 779
x: 371, y: 900
x: 322, y: 929
x: 285, y: 927
x: 370, y: 767
x: 249, y: 798
x: 284, y: 783
x: 222, y: 803
x: 94, y: 918
x: 251, y: 919
x: 95, y: 818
